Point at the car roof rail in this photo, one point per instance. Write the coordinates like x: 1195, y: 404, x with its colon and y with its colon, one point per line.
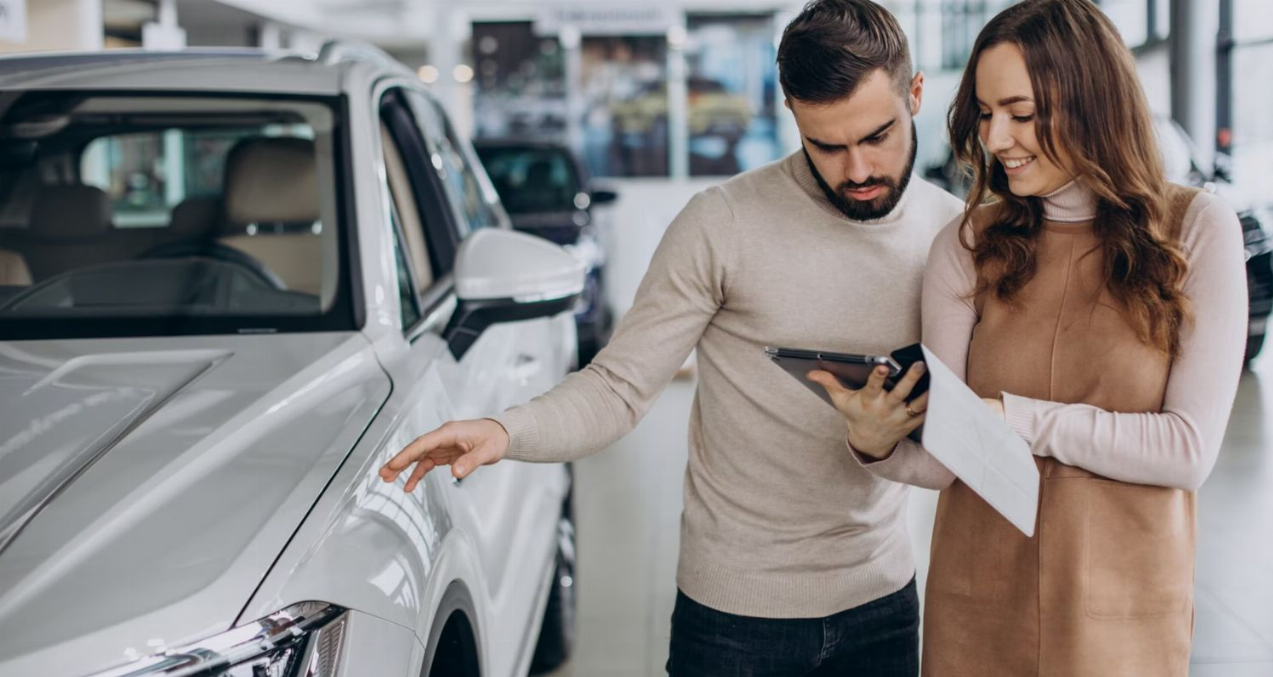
x: 337, y: 51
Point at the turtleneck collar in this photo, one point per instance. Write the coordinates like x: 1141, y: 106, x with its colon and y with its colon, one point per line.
x: 1071, y: 203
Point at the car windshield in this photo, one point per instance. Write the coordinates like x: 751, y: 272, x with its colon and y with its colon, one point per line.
x: 136, y: 215
x: 532, y: 180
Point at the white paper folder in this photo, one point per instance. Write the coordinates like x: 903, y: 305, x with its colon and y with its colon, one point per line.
x: 975, y: 444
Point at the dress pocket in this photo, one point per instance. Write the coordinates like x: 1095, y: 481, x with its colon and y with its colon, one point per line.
x: 1140, y: 550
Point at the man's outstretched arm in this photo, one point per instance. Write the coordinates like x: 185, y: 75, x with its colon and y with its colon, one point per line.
x: 681, y: 292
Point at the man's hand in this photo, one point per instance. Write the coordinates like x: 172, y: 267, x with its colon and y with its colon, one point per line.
x: 877, y: 419
x: 463, y: 445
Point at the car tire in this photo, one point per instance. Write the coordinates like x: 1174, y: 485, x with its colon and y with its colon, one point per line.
x: 596, y: 336
x: 1253, y: 346
x: 587, y: 351
x: 557, y: 633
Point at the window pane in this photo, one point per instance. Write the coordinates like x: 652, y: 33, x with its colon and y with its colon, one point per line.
x: 1252, y: 20
x: 521, y: 82
x: 1162, y: 18
x: 1252, y: 124
x: 732, y: 91
x: 1131, y: 17
x: 625, y: 124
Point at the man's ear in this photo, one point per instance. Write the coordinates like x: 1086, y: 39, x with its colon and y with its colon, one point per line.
x: 786, y: 101
x: 917, y: 92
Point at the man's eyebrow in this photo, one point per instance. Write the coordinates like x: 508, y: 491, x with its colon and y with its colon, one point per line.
x: 823, y: 144
x: 878, y: 130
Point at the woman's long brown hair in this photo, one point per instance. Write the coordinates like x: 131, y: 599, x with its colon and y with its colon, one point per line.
x: 1088, y: 101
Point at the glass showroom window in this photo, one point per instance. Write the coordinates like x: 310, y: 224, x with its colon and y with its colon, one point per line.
x: 732, y: 93
x: 1252, y: 141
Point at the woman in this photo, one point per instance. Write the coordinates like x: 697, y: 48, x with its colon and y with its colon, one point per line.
x: 1102, y: 312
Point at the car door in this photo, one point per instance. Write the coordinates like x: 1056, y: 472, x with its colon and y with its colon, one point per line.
x: 510, y: 509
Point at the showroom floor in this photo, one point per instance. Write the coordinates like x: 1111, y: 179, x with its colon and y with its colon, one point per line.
x: 629, y: 503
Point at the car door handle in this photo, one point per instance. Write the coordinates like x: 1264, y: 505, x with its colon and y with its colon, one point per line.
x: 525, y: 367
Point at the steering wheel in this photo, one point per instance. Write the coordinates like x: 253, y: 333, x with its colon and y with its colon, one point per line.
x: 220, y: 252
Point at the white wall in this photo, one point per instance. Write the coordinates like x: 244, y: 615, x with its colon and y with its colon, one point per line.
x: 60, y: 26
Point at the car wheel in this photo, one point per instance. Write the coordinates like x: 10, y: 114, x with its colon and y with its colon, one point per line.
x: 557, y: 634
x: 1253, y: 346
x: 587, y: 351
x: 595, y: 336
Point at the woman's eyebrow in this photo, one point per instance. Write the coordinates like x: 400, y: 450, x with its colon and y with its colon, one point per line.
x: 1009, y: 101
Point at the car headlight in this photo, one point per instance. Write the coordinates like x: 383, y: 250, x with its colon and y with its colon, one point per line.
x: 303, y: 639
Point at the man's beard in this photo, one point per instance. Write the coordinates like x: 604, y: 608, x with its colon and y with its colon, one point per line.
x: 875, y: 208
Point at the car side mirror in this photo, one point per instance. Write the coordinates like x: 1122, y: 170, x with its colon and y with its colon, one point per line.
x: 601, y: 197
x: 506, y: 276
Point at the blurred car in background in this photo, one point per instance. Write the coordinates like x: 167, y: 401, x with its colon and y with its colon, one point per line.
x: 1180, y: 159
x: 546, y: 192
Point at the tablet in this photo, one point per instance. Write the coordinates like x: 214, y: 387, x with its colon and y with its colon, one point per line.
x: 852, y: 370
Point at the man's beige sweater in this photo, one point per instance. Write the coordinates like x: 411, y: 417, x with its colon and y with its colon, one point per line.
x: 780, y: 521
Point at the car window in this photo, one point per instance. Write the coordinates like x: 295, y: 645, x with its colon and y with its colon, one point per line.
x: 146, y: 175
x: 409, y: 302
x: 413, y: 235
x: 171, y: 214
x: 531, y: 179
x: 465, y: 182
x: 410, y: 219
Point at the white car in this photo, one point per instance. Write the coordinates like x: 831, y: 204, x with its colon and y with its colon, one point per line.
x: 232, y: 286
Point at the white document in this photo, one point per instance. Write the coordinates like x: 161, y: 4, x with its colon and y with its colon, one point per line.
x: 975, y: 444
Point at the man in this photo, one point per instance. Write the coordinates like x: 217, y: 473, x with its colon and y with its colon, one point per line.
x: 794, y: 559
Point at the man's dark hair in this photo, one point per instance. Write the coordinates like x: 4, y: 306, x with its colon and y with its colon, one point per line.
x: 833, y: 45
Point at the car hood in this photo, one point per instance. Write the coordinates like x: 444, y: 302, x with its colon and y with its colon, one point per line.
x: 147, y: 485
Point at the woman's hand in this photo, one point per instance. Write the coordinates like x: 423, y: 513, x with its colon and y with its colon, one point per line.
x: 877, y: 419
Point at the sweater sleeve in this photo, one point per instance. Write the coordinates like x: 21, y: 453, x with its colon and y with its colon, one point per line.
x: 1177, y: 447
x: 682, y: 290
x: 948, y: 316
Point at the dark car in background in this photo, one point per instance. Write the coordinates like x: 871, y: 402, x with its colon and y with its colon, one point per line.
x: 1181, y: 163
x: 547, y: 192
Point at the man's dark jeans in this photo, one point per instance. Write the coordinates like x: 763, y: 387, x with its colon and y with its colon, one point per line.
x: 877, y: 639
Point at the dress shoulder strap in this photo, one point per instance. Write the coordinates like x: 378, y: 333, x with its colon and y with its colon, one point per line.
x: 1178, y: 200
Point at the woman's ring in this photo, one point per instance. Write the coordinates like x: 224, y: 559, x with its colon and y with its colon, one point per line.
x: 911, y: 412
